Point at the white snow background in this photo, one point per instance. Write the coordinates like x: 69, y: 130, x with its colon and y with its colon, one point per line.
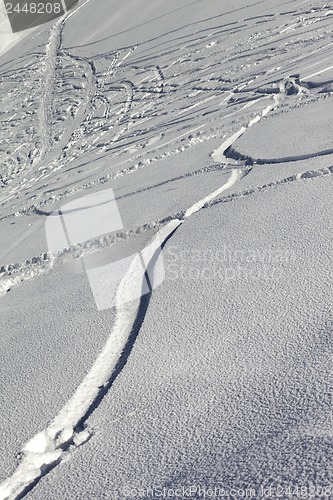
x: 212, y: 123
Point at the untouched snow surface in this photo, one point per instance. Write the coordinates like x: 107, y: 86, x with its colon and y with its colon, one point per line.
x: 211, y: 123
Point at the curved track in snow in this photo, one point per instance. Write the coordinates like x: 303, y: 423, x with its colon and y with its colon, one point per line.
x: 47, y: 449
x: 68, y: 429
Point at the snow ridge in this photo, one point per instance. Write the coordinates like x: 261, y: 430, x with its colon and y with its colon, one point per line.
x: 13, y: 275
x: 309, y: 174
x: 47, y: 78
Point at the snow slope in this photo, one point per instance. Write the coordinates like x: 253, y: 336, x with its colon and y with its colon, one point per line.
x: 220, y: 376
x: 239, y: 396
x: 7, y: 37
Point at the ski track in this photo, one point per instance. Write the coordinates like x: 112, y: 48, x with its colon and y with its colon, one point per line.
x: 77, y: 145
x: 43, y: 264
x: 302, y: 176
x: 12, y: 275
x: 120, y: 173
x: 68, y: 429
x: 219, y: 155
x: 43, y: 144
x: 48, y: 72
x: 231, y: 153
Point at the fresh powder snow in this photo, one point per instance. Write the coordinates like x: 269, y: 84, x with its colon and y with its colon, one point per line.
x: 165, y: 251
